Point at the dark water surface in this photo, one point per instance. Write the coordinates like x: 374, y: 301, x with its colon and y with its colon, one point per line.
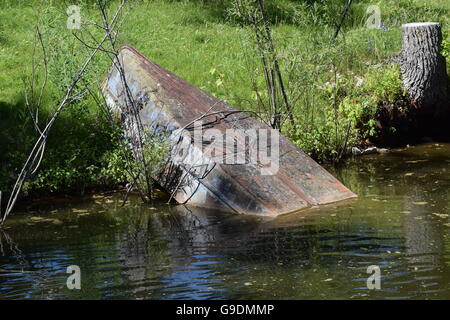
x: 400, y: 223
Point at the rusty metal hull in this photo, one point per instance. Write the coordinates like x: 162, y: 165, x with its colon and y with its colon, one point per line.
x: 169, y: 104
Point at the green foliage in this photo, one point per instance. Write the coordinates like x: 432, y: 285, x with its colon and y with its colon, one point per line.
x: 150, y: 161
x: 81, y: 151
x: 382, y: 84
x: 446, y: 48
x: 80, y: 154
x: 198, y: 41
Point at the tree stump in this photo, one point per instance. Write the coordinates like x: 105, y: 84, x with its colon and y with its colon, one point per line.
x: 423, y: 69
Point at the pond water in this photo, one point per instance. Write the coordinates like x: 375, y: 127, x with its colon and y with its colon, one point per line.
x: 400, y: 223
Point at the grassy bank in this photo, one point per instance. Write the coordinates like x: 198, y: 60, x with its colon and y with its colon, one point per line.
x: 337, y: 82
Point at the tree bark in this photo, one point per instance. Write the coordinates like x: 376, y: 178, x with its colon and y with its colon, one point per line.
x: 423, y: 69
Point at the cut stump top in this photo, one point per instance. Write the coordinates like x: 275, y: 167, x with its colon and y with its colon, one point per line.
x: 419, y: 25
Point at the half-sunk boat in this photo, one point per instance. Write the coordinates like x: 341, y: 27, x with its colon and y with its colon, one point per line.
x: 220, y: 157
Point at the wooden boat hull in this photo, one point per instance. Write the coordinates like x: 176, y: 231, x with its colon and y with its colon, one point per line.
x: 169, y: 105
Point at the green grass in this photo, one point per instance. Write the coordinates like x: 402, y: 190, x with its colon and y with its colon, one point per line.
x: 196, y: 40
